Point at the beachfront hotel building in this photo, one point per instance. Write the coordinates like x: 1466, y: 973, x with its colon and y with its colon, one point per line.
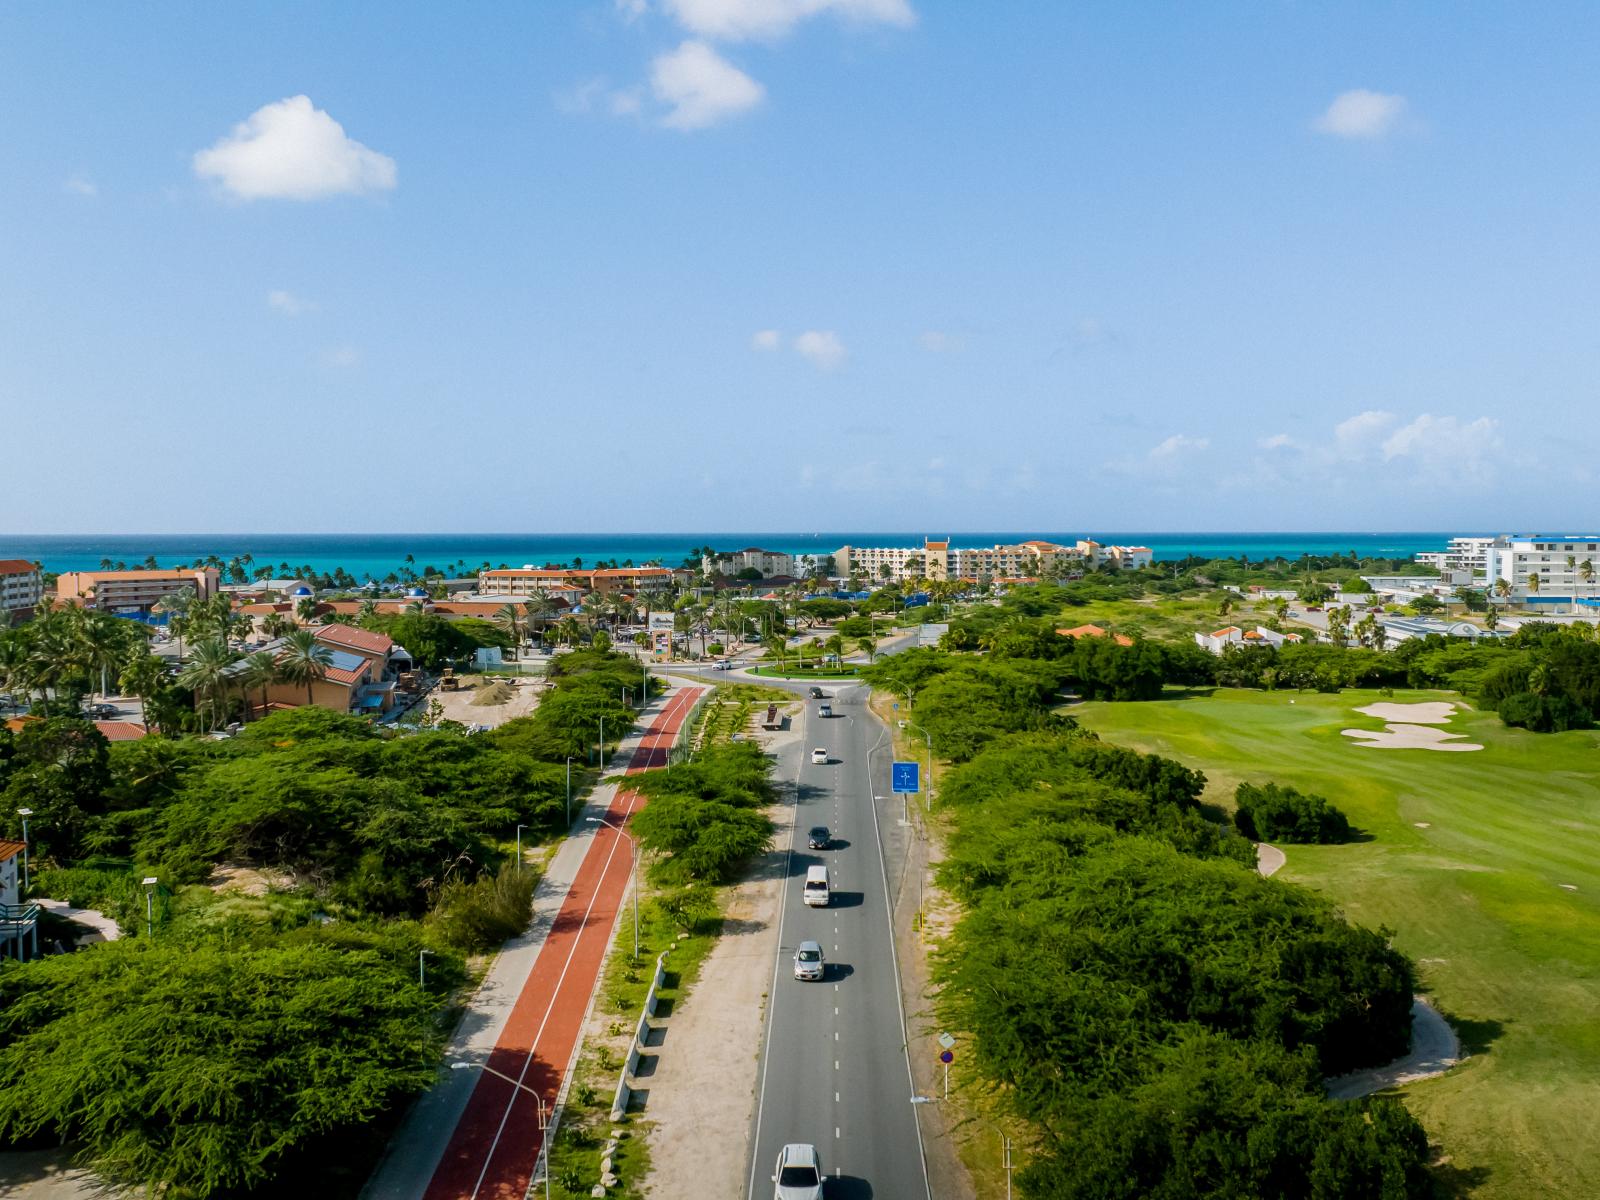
x: 525, y: 581
x: 133, y: 593
x: 939, y: 560
x: 1567, y: 566
x: 21, y: 589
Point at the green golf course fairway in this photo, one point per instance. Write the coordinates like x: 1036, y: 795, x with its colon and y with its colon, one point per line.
x: 1476, y: 898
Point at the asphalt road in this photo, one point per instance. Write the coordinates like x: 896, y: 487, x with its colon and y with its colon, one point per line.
x: 834, y: 1070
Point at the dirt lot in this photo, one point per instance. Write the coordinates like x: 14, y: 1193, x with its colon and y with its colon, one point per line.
x: 458, y: 706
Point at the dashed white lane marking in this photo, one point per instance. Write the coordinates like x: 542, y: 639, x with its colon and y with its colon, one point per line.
x: 836, y: 1064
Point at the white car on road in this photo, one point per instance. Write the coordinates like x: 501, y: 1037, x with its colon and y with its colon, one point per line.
x: 799, y: 1173
x: 819, y: 755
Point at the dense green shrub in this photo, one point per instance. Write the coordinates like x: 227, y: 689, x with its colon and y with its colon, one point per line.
x: 1269, y: 812
x: 477, y: 916
x: 195, y: 1069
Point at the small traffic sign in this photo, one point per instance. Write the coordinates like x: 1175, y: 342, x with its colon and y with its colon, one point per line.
x: 946, y: 1040
x: 904, y: 777
x: 947, y: 1057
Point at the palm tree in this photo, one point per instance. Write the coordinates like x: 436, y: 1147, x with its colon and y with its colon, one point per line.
x: 509, y: 618
x: 366, y: 612
x: 306, y: 610
x: 1533, y: 584
x: 1502, y: 588
x: 144, y: 677
x: 207, y: 676
x: 260, y: 671
x: 304, y: 660
x: 1491, y: 619
x: 102, y: 644
x: 276, y: 624
x: 868, y: 646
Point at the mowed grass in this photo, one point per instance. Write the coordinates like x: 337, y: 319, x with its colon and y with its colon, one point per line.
x: 1466, y: 862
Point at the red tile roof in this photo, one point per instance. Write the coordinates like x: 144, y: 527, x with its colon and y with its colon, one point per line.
x: 9, y: 850
x: 142, y: 574
x: 1121, y: 639
x: 927, y: 545
x: 1226, y: 630
x: 16, y: 566
x: 121, y: 731
x: 355, y: 639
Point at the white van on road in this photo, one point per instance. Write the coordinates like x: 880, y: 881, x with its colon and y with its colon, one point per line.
x: 816, y: 888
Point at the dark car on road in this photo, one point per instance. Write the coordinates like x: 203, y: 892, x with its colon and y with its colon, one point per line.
x: 818, y: 694
x: 819, y: 838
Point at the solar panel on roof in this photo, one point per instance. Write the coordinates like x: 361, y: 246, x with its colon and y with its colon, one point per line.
x: 344, y: 660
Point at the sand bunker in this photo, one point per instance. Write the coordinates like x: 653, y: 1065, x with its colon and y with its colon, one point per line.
x: 1428, y: 712
x: 1409, y: 737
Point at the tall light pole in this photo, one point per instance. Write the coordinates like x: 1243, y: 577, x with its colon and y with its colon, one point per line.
x: 912, y: 725
x: 150, y: 882
x: 632, y: 841
x: 544, y: 1116
x: 520, y: 828
x: 24, y: 813
x: 422, y: 978
x: 569, y: 790
x: 602, y: 742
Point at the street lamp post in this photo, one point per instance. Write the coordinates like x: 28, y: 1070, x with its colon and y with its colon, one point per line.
x: 929, y: 739
x: 520, y: 828
x: 150, y: 882
x: 569, y: 789
x: 25, y: 813
x: 632, y: 841
x: 422, y: 978
x: 602, y: 742
x: 544, y: 1114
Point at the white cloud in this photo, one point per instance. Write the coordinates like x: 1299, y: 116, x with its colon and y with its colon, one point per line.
x: 80, y: 185
x: 765, y: 339
x: 595, y: 94
x: 1358, y: 433
x: 1278, y: 441
x: 292, y: 150
x: 822, y: 347
x: 632, y: 10
x: 1179, y: 443
x: 1362, y: 114
x: 1445, y: 443
x: 342, y: 357
x: 701, y: 87
x: 936, y: 342
x: 769, y: 20
x: 288, y: 303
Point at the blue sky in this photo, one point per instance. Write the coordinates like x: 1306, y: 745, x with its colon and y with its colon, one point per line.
x: 716, y: 264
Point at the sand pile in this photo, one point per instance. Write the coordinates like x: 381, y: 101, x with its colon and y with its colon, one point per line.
x: 489, y: 694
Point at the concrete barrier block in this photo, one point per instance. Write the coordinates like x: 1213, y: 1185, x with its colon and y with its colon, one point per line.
x: 620, y: 1104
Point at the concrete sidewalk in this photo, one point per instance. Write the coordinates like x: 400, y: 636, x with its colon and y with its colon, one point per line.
x: 420, y: 1142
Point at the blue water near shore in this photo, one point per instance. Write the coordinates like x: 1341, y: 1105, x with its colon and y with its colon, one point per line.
x: 378, y: 555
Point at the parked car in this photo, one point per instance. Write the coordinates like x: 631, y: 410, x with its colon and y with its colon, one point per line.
x: 820, y: 838
x: 799, y: 1173
x: 819, y: 755
x: 808, y: 964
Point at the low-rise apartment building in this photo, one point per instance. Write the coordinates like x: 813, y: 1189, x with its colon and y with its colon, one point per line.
x: 21, y: 590
x: 751, y: 558
x: 359, y: 676
x: 133, y: 593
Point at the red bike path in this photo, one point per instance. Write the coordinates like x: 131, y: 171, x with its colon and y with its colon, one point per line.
x: 495, y: 1148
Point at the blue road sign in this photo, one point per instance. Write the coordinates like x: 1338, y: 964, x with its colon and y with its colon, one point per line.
x: 904, y: 777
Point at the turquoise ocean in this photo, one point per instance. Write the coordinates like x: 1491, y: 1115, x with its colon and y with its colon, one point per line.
x: 377, y: 555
